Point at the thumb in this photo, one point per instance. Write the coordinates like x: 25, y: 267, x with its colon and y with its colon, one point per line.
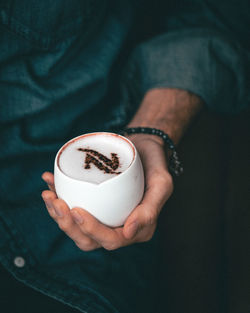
x: 131, y: 229
x: 141, y: 216
x: 146, y: 213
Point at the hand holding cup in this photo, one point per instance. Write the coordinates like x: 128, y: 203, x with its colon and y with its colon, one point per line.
x: 88, y: 233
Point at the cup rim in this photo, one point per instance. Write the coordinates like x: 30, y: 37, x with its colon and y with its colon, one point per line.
x: 93, y: 134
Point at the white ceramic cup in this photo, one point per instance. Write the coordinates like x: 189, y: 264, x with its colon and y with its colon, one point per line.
x: 111, y: 201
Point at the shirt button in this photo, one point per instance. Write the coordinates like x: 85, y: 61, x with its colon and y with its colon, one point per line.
x: 19, y: 261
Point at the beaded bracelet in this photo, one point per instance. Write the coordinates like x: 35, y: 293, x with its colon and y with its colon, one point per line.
x: 175, y: 166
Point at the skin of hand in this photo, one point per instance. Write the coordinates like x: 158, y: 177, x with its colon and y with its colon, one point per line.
x: 168, y: 109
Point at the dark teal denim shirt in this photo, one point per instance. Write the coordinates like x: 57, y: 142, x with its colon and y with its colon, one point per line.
x: 69, y: 67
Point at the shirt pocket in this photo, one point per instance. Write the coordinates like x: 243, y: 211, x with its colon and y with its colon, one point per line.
x: 47, y: 23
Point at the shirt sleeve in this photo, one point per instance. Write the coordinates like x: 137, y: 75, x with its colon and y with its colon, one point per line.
x: 203, y: 47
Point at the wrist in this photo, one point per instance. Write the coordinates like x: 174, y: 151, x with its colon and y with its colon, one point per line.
x: 167, y: 109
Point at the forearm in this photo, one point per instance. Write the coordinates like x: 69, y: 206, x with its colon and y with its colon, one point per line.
x: 170, y: 110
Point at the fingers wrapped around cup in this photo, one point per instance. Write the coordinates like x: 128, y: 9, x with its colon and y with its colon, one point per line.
x: 102, y: 173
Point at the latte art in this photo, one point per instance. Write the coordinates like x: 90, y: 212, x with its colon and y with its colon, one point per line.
x: 94, y: 159
x: 100, y: 161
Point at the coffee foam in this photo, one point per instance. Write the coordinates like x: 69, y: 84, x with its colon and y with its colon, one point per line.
x: 92, y: 151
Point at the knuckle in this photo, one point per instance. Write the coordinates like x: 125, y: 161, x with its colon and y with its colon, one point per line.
x: 110, y: 246
x: 63, y: 225
x: 163, y: 180
x: 150, y: 218
x: 166, y: 179
x: 86, y: 246
x: 148, y: 237
x: 52, y: 213
x: 57, y: 202
x: 88, y: 228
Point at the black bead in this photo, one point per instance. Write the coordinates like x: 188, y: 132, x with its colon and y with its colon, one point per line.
x: 165, y: 137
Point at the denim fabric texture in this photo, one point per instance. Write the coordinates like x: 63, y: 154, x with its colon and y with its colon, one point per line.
x: 70, y: 67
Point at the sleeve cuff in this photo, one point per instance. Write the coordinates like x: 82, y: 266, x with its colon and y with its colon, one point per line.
x: 201, y: 61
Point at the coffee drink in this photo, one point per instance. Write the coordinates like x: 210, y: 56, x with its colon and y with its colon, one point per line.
x: 96, y: 158
x: 101, y: 173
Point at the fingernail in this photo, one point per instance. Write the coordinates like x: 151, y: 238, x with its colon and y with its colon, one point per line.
x: 133, y: 228
x: 77, y: 217
x: 58, y: 211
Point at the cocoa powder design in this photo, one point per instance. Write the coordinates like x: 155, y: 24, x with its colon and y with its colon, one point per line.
x: 101, y: 161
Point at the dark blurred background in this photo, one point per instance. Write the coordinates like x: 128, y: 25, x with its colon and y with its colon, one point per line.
x: 206, y: 223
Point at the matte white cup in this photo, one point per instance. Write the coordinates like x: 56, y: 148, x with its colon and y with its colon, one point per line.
x: 111, y: 201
